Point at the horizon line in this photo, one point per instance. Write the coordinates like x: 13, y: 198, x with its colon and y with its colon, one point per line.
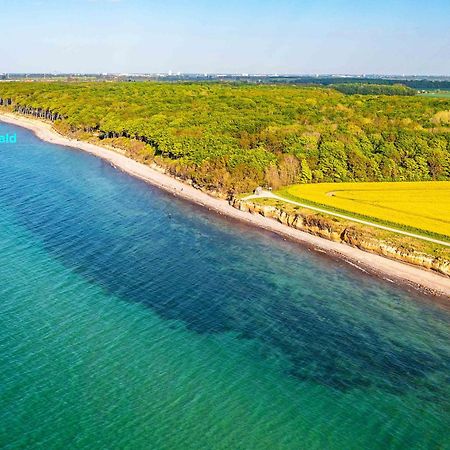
x: 225, y: 74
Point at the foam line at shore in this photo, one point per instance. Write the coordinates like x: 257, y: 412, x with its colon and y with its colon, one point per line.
x: 416, y: 277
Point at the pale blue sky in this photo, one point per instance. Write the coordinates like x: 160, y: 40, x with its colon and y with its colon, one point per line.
x: 264, y: 36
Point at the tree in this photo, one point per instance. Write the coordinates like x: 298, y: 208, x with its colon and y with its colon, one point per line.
x: 306, y: 173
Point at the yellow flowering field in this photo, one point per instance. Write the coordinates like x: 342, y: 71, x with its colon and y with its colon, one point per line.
x: 424, y: 205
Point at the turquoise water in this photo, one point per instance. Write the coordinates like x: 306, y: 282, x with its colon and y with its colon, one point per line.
x: 132, y: 320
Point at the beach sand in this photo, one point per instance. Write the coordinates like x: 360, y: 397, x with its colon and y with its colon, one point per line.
x: 394, y: 271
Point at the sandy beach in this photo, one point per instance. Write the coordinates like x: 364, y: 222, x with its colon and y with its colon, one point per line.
x: 391, y: 270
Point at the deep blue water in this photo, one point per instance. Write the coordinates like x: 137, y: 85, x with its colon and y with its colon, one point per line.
x: 269, y: 344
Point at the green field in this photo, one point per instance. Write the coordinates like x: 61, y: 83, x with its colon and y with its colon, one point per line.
x: 436, y: 94
x: 419, y: 205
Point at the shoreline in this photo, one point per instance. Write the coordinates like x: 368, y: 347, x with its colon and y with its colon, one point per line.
x: 428, y: 282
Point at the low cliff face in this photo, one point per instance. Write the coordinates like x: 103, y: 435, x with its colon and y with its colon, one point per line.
x: 337, y: 231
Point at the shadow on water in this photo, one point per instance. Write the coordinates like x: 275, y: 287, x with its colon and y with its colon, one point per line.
x: 334, y: 328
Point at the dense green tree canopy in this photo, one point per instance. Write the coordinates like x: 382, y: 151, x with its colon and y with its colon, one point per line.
x: 234, y: 137
x: 374, y: 89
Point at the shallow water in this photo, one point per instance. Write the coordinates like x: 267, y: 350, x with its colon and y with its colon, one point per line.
x: 131, y: 319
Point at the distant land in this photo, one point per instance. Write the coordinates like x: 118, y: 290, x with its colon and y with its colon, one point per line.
x: 428, y: 82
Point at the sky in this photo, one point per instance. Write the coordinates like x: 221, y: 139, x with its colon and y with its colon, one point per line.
x: 226, y: 36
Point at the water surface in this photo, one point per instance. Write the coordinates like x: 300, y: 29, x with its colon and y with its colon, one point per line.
x: 131, y: 319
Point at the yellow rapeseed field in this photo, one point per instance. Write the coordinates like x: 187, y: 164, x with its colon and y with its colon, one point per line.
x: 424, y: 204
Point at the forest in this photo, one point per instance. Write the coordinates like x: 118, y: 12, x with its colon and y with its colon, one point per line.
x: 374, y: 89
x: 231, y: 138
